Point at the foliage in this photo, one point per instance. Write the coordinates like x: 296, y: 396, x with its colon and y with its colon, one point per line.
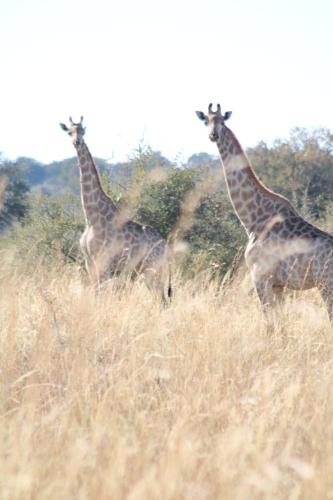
x: 187, y: 202
x: 34, y: 172
x: 160, y: 203
x: 13, y: 194
x: 191, y: 205
x: 301, y: 168
x: 57, y: 177
x: 51, y: 230
x: 216, y: 235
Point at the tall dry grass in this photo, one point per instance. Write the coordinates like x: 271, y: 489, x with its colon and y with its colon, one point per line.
x: 114, y: 397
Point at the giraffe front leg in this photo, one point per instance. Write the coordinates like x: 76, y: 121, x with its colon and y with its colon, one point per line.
x: 156, y: 272
x: 153, y: 282
x: 326, y: 293
x: 89, y: 265
x: 156, y: 281
x: 97, y: 276
x: 269, y: 292
x: 264, y: 291
x: 88, y: 259
x: 100, y: 267
x: 271, y: 297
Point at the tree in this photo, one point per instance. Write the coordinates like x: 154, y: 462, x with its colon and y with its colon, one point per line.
x: 192, y: 206
x: 13, y: 194
x: 301, y: 168
x: 50, y: 230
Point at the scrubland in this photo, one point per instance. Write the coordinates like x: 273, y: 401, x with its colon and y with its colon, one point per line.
x: 112, y: 396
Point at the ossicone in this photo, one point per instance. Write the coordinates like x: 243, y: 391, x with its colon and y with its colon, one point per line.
x: 211, y: 112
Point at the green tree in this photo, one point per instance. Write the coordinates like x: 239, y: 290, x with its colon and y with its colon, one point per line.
x: 13, y: 194
x: 192, y: 206
x: 301, y: 168
x: 50, y: 230
x: 160, y: 203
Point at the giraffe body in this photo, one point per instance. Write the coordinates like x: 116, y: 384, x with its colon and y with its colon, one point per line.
x: 111, y: 243
x: 134, y: 247
x: 284, y: 250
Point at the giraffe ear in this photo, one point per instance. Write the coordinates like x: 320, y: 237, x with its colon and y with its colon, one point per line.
x: 227, y: 115
x: 64, y: 127
x: 202, y: 116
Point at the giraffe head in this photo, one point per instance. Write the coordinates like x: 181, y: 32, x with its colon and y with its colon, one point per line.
x: 75, y: 130
x: 214, y: 121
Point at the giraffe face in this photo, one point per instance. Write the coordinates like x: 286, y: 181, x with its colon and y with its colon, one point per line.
x: 214, y: 121
x: 215, y: 127
x: 76, y: 131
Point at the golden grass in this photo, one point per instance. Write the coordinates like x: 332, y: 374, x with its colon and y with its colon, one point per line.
x: 114, y: 397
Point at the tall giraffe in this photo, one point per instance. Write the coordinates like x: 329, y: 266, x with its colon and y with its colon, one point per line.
x: 110, y: 242
x: 284, y: 250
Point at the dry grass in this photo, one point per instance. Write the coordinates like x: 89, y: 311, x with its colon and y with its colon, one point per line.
x: 112, y: 397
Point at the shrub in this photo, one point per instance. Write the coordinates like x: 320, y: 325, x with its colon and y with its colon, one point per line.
x: 13, y: 194
x: 50, y: 230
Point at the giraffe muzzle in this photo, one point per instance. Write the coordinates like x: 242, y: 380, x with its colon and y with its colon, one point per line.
x: 213, y: 137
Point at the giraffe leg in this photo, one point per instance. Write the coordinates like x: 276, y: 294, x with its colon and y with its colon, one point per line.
x: 90, y: 268
x: 155, y: 281
x: 103, y: 278
x: 265, y: 293
x: 278, y: 295
x: 271, y: 297
x: 97, y: 276
x: 327, y: 296
x: 156, y: 271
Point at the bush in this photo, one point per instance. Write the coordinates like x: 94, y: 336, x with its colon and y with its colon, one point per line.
x: 13, y: 194
x: 51, y: 230
x: 188, y: 204
x: 192, y: 206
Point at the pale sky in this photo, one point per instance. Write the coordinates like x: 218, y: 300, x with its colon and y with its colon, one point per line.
x: 139, y: 69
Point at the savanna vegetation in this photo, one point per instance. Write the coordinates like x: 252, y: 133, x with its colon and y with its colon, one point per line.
x: 111, y: 396
x: 187, y: 201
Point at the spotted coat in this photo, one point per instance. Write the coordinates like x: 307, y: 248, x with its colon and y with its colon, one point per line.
x: 284, y: 250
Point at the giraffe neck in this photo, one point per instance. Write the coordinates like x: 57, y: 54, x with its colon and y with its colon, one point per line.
x: 95, y: 202
x: 253, y: 203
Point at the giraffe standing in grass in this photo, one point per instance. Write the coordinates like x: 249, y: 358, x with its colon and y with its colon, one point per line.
x: 112, y: 243
x: 284, y: 250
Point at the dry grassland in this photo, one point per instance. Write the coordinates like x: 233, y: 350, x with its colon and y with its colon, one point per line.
x: 114, y: 397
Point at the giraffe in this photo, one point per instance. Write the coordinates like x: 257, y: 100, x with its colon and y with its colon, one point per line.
x: 284, y: 250
x: 112, y: 243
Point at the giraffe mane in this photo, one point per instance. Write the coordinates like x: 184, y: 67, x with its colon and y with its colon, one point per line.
x: 259, y: 183
x: 266, y: 190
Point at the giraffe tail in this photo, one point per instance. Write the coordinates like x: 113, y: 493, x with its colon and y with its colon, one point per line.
x: 169, y: 260
x: 170, y: 291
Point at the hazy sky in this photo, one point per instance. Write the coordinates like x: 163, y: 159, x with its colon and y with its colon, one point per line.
x: 139, y: 69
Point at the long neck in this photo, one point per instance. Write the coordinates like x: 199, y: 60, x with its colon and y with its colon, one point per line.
x: 253, y: 203
x: 95, y: 202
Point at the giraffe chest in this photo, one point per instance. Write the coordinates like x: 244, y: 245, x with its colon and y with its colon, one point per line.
x: 292, y: 271
x: 118, y: 249
x: 93, y: 240
x: 296, y: 263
